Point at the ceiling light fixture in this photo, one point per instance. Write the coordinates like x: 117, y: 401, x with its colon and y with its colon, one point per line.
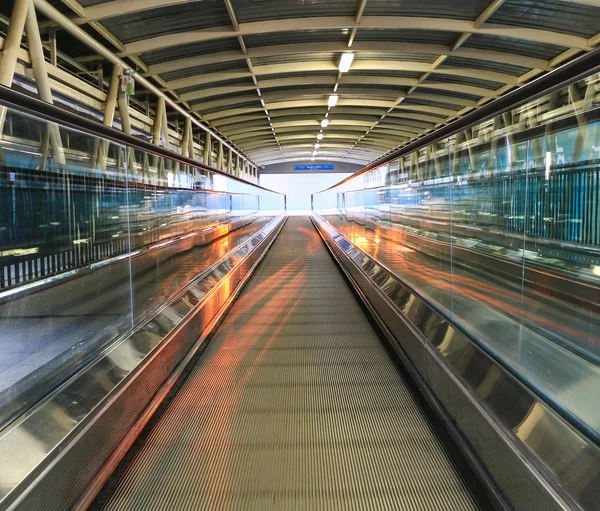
x: 317, y: 146
x: 324, y: 123
x: 346, y: 62
x: 320, y: 136
x: 336, y: 87
x: 315, y: 153
x: 333, y: 99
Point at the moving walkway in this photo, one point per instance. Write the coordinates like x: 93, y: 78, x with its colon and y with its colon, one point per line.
x: 294, y: 403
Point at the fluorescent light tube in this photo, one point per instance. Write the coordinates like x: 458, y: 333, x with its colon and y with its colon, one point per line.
x: 320, y: 136
x: 346, y: 62
x: 324, y: 123
x: 333, y: 99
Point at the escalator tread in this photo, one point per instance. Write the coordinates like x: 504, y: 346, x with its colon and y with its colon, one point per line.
x: 290, y: 407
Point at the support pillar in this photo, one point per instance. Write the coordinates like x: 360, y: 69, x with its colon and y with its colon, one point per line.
x: 53, y: 49
x: 109, y: 116
x: 12, y: 44
x: 230, y: 162
x: 220, y: 165
x: 42, y: 81
x: 165, y: 162
x: 123, y: 101
x: 207, y: 149
x: 158, y: 120
x: 188, y: 139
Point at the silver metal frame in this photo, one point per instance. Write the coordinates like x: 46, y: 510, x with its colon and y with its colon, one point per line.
x: 536, y: 459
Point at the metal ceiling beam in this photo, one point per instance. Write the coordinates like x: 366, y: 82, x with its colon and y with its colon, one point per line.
x: 333, y: 137
x: 348, y: 22
x: 123, y: 7
x: 321, y: 96
x: 349, y: 79
x: 290, y: 157
x: 367, y: 47
x: 342, y: 102
x: 488, y: 12
x: 280, y: 118
x: 338, y: 130
x: 334, y: 159
x: 306, y: 152
x: 320, y: 66
x: 380, y: 144
x: 318, y: 94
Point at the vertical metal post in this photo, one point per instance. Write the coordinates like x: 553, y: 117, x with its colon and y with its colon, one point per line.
x: 42, y: 81
x: 44, y: 147
x: 53, y: 50
x: 468, y: 142
x: 109, y: 115
x: 100, y: 77
x: 158, y: 119
x: 207, y: 149
x: 124, y: 111
x: 189, y: 128
x: 165, y: 141
x: 220, y: 156
x: 12, y: 44
x: 230, y: 161
x: 111, y: 97
x: 493, y: 145
x: 123, y: 101
x: 185, y: 140
x: 165, y: 126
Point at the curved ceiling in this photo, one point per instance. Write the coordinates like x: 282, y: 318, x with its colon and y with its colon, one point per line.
x: 261, y: 72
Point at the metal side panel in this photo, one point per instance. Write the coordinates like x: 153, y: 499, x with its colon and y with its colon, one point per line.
x: 48, y: 459
x: 537, y: 460
x: 294, y: 404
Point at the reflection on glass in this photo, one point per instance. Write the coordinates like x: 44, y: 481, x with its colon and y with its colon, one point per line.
x: 94, y: 236
x: 498, y: 226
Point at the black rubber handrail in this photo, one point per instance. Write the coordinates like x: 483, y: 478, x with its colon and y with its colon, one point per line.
x: 578, y: 69
x: 33, y: 106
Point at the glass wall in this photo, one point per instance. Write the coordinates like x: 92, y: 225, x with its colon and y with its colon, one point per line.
x: 94, y: 236
x: 498, y: 227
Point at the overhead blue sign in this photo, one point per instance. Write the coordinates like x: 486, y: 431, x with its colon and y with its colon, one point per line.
x: 322, y: 166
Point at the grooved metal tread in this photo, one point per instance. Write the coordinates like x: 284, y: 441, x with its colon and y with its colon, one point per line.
x: 294, y: 404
